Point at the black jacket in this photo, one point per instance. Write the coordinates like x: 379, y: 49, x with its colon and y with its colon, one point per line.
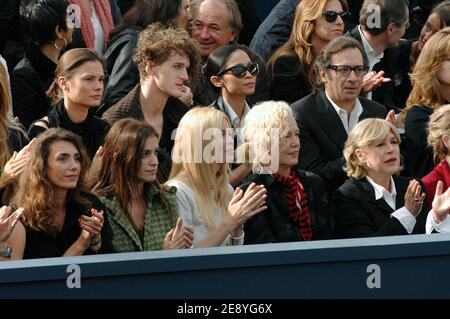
x: 275, y: 225
x: 359, y: 214
x: 122, y: 74
x: 322, y: 136
x: 30, y: 80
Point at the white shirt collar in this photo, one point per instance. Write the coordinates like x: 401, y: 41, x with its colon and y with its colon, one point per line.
x: 370, y: 52
x: 234, y: 118
x: 348, y: 123
x: 381, y: 192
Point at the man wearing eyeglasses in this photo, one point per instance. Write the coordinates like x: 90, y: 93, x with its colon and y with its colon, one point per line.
x: 382, y: 24
x: 325, y: 118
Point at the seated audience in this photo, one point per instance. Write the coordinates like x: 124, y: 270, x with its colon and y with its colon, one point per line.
x: 375, y: 201
x: 297, y: 205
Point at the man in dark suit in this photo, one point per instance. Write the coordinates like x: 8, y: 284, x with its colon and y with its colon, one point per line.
x: 382, y: 23
x: 326, y: 117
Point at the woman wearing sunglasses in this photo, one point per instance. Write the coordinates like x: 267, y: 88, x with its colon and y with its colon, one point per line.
x: 231, y: 72
x: 316, y: 23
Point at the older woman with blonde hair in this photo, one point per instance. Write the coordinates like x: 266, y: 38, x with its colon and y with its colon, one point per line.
x: 297, y: 205
x: 375, y: 201
x: 203, y: 147
x: 431, y: 90
x: 316, y: 23
x: 439, y: 141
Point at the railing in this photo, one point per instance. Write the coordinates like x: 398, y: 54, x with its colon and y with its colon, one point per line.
x: 414, y: 266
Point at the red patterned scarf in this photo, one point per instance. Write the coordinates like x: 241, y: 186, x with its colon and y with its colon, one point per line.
x: 297, y: 200
x: 103, y: 11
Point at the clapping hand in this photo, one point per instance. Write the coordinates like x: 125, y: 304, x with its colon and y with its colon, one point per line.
x: 8, y: 221
x: 441, y: 203
x: 179, y: 237
x: 414, y: 197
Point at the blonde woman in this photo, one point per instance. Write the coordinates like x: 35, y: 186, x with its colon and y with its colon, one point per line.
x: 439, y: 141
x: 375, y: 201
x: 316, y: 23
x: 431, y: 90
x: 207, y: 203
x: 297, y: 205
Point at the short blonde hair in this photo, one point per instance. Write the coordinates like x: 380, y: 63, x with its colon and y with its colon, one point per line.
x: 439, y: 126
x: 368, y: 132
x: 261, y: 124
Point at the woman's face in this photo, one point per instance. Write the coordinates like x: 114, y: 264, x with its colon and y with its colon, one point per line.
x: 63, y: 165
x: 326, y: 31
x: 443, y: 75
x: 85, y: 86
x: 431, y: 27
x: 232, y: 85
x: 149, y: 161
x: 382, y: 159
x: 290, y: 144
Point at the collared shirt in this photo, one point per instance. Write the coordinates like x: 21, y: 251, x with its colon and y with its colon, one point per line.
x: 99, y: 43
x: 403, y: 215
x: 348, y: 122
x: 370, y: 52
x: 236, y: 122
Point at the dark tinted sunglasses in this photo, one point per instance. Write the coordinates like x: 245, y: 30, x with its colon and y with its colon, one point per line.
x: 331, y: 16
x: 240, y: 71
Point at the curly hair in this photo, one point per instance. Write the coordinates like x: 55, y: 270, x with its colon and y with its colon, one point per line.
x: 425, y: 84
x: 265, y: 124
x: 300, y: 41
x: 366, y: 133
x: 35, y: 191
x: 438, y: 126
x: 157, y: 43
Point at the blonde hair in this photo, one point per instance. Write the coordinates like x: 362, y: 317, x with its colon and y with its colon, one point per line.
x: 209, y: 181
x: 366, y: 133
x: 264, y: 124
x: 425, y: 84
x: 300, y: 40
x: 439, y: 126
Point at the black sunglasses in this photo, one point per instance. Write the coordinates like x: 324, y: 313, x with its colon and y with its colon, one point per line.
x: 331, y: 16
x: 240, y: 71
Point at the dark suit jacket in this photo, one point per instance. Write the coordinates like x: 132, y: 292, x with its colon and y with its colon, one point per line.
x: 275, y: 225
x: 322, y: 136
x: 359, y: 214
x: 385, y: 94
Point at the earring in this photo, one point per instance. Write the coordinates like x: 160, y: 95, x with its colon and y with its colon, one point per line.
x: 59, y: 48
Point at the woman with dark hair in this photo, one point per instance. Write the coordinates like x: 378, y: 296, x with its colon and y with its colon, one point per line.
x: 96, y: 20
x: 122, y: 73
x: 77, y: 88
x: 231, y: 71
x: 142, y: 213
x: 60, y: 217
x: 47, y: 33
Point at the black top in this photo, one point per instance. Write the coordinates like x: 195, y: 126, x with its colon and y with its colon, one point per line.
x: 289, y: 82
x: 30, y: 80
x: 17, y: 139
x: 42, y: 245
x: 402, y: 80
x: 275, y: 225
x: 92, y: 131
x: 359, y: 214
x: 418, y: 155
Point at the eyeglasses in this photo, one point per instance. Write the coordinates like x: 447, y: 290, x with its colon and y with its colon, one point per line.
x: 240, y: 71
x: 331, y: 16
x: 344, y: 70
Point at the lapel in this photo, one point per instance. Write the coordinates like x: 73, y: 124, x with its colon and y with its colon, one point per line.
x: 117, y: 214
x: 329, y: 120
x: 370, y: 192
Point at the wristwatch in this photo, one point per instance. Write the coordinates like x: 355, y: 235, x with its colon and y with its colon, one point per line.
x: 6, y: 253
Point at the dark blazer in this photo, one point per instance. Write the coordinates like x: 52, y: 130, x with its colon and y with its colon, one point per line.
x: 322, y: 136
x: 275, y: 225
x: 30, y: 80
x: 385, y: 94
x: 359, y: 214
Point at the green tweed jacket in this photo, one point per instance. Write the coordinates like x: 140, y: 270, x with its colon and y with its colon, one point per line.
x: 160, y: 216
